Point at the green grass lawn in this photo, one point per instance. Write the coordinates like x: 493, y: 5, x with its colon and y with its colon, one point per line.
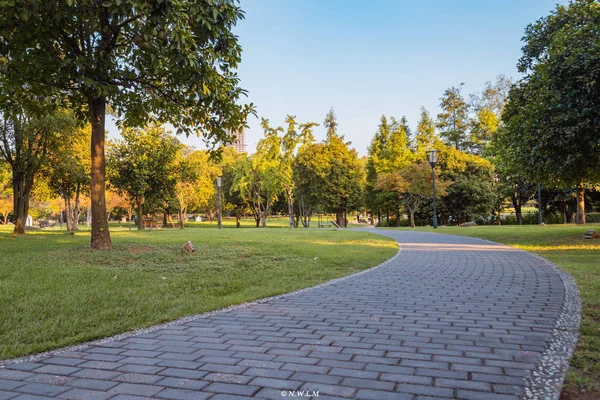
x: 565, y: 246
x: 55, y: 291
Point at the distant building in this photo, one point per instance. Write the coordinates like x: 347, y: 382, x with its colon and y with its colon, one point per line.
x: 240, y: 141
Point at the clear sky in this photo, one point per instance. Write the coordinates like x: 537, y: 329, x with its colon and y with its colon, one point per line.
x: 368, y: 58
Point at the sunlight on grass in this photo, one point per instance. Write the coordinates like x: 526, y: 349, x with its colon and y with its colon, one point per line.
x: 55, y: 291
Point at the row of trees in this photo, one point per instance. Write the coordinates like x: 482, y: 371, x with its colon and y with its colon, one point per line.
x: 170, y: 62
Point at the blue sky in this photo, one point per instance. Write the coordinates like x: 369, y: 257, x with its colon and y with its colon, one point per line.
x: 368, y: 58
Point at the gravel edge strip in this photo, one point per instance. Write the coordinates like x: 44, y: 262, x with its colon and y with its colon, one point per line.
x: 184, y: 320
x: 545, y: 382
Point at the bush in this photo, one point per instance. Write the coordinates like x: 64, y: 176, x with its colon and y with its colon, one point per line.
x: 592, y: 217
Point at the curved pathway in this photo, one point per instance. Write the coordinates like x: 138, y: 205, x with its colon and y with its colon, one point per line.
x: 448, y: 317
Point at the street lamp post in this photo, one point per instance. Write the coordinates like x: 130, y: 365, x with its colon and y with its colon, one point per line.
x: 433, y: 162
x: 539, y: 204
x: 219, y: 201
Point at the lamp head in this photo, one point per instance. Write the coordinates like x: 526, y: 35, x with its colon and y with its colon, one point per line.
x: 433, y: 155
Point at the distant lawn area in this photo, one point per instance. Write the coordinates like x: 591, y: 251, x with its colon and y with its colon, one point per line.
x: 565, y: 246
x: 55, y: 291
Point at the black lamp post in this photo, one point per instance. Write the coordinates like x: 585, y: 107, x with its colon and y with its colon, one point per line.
x: 539, y: 204
x: 433, y: 162
x: 219, y: 195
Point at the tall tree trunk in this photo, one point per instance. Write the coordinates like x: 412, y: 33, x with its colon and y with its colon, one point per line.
x: 339, y: 217
x: 412, y: 217
x: 139, y: 200
x: 170, y: 218
x: 580, y: 214
x: 75, y: 225
x: 130, y: 215
x: 238, y: 217
x: 68, y: 212
x: 291, y: 211
x: 398, y: 218
x: 100, y: 233
x: 21, y: 190
x: 180, y: 214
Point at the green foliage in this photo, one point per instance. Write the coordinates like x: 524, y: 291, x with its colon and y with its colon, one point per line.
x: 426, y: 137
x: 280, y: 152
x: 169, y: 61
x: 453, y: 120
x: 472, y: 192
x: 142, y: 164
x: 413, y: 185
x: 553, y: 112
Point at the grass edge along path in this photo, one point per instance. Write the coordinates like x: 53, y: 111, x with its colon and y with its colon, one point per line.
x: 565, y: 246
x: 55, y: 291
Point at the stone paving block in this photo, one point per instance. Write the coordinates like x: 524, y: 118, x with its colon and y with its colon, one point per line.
x: 369, y: 394
x: 268, y: 373
x: 24, y: 366
x: 96, y: 374
x: 179, y: 394
x: 178, y: 383
x: 42, y: 389
x: 232, y: 389
x: 135, y: 389
x: 368, y: 384
x: 469, y: 395
x: 7, y: 374
x: 84, y: 394
x: 93, y: 384
x: 425, y: 390
x: 183, y: 373
x: 56, y: 370
x: 7, y: 395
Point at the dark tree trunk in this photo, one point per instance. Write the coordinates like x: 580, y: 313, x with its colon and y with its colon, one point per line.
x: 580, y: 214
x: 398, y: 218
x: 130, y: 215
x: 412, y: 218
x: 100, y: 234
x: 339, y: 217
x: 21, y: 190
x: 140, y: 212
x: 238, y: 217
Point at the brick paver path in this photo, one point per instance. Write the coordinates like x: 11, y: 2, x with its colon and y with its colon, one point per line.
x: 450, y: 317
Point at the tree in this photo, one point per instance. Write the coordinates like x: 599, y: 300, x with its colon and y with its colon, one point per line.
x: 24, y: 145
x: 233, y: 199
x: 196, y: 175
x: 282, y: 152
x: 413, y: 185
x: 552, y: 131
x: 6, y: 200
x: 254, y: 178
x: 488, y: 109
x: 342, y: 177
x: 453, y: 120
x: 141, y: 165
x: 426, y: 137
x: 472, y: 192
x: 68, y: 170
x: 172, y: 62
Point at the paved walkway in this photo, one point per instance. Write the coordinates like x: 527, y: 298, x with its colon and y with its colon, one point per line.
x: 450, y: 317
